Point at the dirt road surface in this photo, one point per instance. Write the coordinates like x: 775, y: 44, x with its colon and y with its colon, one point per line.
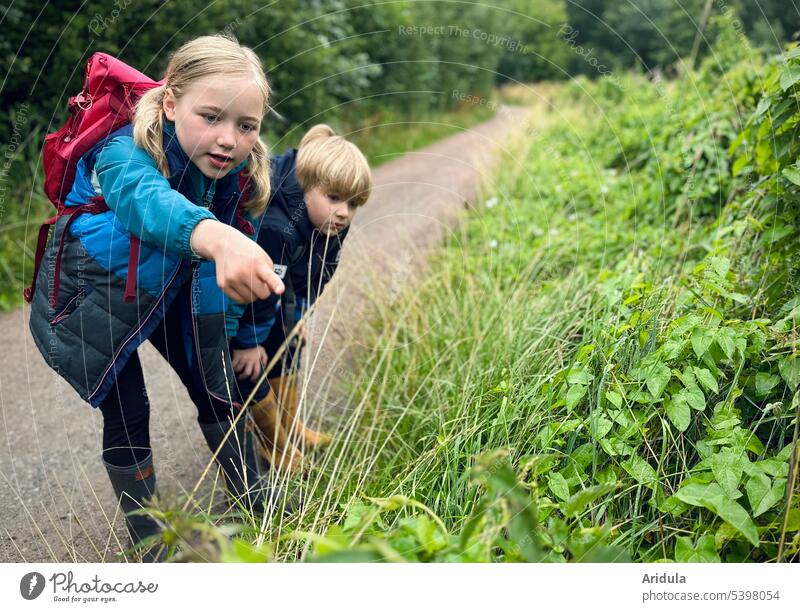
x: 56, y: 503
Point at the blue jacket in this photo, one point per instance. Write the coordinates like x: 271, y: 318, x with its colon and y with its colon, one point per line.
x: 303, y: 258
x: 90, y: 333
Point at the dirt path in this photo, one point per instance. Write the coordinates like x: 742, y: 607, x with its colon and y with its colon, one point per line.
x: 56, y: 503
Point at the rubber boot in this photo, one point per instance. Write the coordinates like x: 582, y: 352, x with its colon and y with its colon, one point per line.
x: 285, y: 388
x: 274, y: 445
x: 133, y: 486
x: 237, y: 459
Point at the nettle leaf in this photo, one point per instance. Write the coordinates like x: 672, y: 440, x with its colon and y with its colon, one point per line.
x: 575, y: 395
x: 679, y: 412
x: 704, y: 552
x: 790, y: 371
x: 789, y: 76
x: 657, y: 378
x: 765, y: 382
x: 701, y: 340
x: 712, y: 497
x: 721, y: 266
x: 559, y: 486
x: 642, y: 472
x: 706, y: 378
x: 578, y: 502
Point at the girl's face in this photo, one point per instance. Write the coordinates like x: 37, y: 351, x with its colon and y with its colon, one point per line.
x: 217, y: 121
x: 329, y: 213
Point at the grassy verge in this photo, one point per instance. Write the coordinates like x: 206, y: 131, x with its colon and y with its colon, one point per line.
x: 604, y: 365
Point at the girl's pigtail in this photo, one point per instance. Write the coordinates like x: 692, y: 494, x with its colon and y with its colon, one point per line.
x: 148, y: 127
x: 258, y: 173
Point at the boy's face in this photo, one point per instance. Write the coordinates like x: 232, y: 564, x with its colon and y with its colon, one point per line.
x: 328, y: 212
x: 217, y: 122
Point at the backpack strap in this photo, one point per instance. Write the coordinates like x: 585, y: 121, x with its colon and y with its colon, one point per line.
x: 133, y: 267
x: 94, y: 206
x: 41, y: 242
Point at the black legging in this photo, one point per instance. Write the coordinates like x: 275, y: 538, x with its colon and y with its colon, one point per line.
x: 126, y: 408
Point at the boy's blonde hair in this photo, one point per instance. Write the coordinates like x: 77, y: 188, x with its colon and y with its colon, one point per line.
x: 330, y: 162
x: 205, y: 56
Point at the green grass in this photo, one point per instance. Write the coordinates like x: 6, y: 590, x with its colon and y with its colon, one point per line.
x: 386, y: 137
x: 603, y: 365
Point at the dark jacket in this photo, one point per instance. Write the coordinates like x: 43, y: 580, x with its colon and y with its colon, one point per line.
x: 303, y: 258
x: 90, y: 332
x: 285, y: 233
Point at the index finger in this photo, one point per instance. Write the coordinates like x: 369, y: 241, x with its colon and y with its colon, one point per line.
x: 274, y: 282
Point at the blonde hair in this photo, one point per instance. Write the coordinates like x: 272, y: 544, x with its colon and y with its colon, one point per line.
x: 332, y: 163
x: 202, y: 57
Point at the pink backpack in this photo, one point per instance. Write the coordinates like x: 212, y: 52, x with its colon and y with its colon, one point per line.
x: 110, y: 91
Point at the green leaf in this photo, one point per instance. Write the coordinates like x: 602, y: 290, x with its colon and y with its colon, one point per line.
x: 642, y: 472
x: 757, y: 487
x: 765, y: 382
x: 793, y: 174
x: 657, y: 378
x: 762, y: 494
x: 599, y: 426
x: 558, y: 485
x: 704, y: 552
x: 615, y: 398
x: 789, y: 76
x: 578, y: 502
x: 790, y: 371
x: 428, y: 534
x: 727, y: 468
x: 695, y: 398
x: 724, y: 338
x: 712, y: 497
x: 701, y: 340
x: 706, y: 378
x: 574, y: 395
x: 679, y: 412
x: 579, y: 377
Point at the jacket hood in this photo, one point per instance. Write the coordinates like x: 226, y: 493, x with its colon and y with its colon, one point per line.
x: 287, y: 195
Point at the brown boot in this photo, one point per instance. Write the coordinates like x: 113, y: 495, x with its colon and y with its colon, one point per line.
x: 285, y: 388
x: 274, y: 445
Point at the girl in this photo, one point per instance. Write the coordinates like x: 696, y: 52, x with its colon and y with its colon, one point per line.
x: 170, y: 179
x: 317, y: 190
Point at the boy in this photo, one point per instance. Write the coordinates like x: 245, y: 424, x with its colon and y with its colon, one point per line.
x: 316, y: 192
